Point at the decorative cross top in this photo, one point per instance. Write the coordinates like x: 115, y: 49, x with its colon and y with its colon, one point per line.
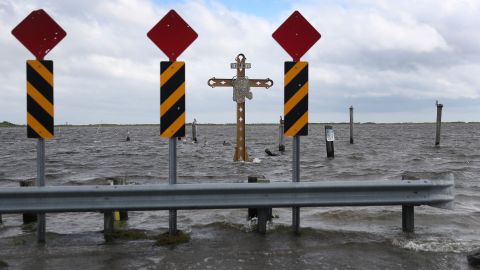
x: 240, y: 83
x: 241, y: 90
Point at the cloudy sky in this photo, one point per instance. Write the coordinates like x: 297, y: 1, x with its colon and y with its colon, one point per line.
x: 389, y: 59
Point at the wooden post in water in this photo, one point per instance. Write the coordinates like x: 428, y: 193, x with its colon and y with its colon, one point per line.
x: 281, y: 138
x: 351, y: 124
x: 28, y: 217
x: 439, y: 123
x: 329, y: 138
x: 194, y: 130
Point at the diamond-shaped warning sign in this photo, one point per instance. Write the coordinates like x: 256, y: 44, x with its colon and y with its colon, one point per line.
x: 39, y: 33
x: 296, y: 35
x: 172, y: 35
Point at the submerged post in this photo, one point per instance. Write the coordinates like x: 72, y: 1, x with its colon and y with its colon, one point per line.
x: 194, y: 130
x: 281, y: 138
x: 351, y: 124
x: 41, y: 224
x: 329, y: 139
x: 439, y: 123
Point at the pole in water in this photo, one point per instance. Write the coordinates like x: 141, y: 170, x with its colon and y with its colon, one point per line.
x: 41, y: 224
x: 172, y: 179
x: 194, y: 130
x: 439, y: 123
x: 281, y: 138
x: 128, y: 136
x: 329, y: 139
x: 296, y: 178
x: 351, y: 124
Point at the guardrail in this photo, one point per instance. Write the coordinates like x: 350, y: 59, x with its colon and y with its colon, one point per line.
x: 408, y: 193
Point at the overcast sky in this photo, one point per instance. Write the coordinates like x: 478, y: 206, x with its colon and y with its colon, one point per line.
x: 389, y: 59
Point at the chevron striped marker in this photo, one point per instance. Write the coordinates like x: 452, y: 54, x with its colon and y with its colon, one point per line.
x: 172, y: 99
x: 40, y: 109
x: 296, y: 98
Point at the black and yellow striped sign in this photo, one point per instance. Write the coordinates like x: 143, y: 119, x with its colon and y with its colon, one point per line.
x: 296, y: 99
x: 40, y: 99
x: 172, y: 99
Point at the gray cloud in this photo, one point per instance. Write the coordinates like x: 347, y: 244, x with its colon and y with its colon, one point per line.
x: 390, y: 59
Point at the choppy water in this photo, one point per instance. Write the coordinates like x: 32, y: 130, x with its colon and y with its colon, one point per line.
x: 335, y: 237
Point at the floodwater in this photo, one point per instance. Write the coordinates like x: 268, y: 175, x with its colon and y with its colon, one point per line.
x: 331, y: 237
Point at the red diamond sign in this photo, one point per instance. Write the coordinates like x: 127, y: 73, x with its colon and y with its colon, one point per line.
x: 39, y: 33
x: 172, y: 35
x: 296, y: 35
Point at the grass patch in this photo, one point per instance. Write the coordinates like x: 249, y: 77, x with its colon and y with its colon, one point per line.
x: 166, y: 239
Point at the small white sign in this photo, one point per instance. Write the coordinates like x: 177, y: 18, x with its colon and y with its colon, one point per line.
x: 246, y: 66
x: 330, y: 135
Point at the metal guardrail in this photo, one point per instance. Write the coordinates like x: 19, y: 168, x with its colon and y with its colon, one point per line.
x: 437, y: 193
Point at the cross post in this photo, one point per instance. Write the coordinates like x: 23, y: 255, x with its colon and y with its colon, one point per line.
x: 241, y: 90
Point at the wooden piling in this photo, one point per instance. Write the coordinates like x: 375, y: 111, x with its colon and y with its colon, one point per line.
x: 194, y: 130
x: 329, y: 138
x: 28, y: 217
x: 351, y: 124
x: 439, y: 123
x: 281, y: 138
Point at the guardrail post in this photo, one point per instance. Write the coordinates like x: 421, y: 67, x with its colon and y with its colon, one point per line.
x: 120, y: 215
x: 108, y: 225
x: 28, y: 217
x: 262, y: 220
x: 408, y: 218
x: 262, y: 214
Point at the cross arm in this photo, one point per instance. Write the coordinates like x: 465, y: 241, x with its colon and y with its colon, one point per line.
x: 214, y: 82
x: 267, y: 83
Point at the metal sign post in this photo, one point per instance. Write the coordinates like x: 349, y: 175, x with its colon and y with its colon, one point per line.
x: 241, y: 90
x: 39, y: 33
x: 172, y: 35
x: 296, y: 35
